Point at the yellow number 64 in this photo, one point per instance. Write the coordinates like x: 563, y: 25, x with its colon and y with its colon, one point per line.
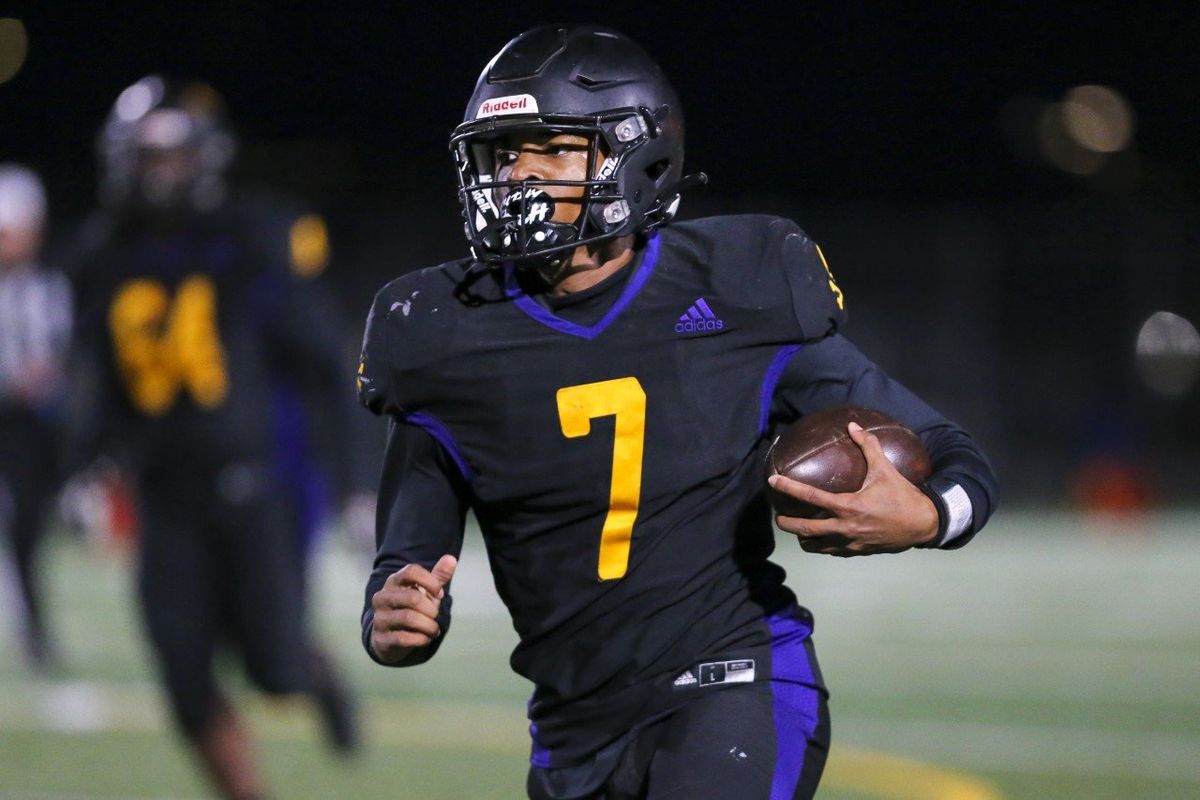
x: 625, y: 399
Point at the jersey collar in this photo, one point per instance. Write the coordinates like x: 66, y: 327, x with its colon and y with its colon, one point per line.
x: 545, y: 316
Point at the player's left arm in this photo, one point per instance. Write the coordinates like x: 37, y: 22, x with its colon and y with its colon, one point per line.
x: 888, y: 514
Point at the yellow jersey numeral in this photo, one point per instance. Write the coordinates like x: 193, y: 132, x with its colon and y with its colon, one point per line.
x: 163, y: 346
x: 625, y: 399
x: 833, y: 287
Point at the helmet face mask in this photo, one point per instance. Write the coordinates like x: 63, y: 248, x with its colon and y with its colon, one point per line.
x: 487, y: 194
x: 589, y: 82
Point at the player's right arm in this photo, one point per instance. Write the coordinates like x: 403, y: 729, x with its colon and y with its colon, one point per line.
x: 420, y: 514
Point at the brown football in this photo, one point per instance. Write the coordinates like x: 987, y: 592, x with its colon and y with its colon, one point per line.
x: 817, y: 449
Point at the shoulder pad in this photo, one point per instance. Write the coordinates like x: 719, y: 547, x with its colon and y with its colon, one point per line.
x: 764, y: 263
x: 412, y: 323
x: 817, y: 300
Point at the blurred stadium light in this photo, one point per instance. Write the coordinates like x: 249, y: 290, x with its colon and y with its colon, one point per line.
x: 1168, y: 354
x: 1060, y: 148
x: 1098, y: 118
x: 1079, y: 135
x: 14, y: 46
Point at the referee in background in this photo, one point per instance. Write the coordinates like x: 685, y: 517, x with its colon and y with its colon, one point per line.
x: 35, y: 329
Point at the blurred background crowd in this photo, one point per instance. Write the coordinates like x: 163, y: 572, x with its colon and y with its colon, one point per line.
x: 1008, y: 197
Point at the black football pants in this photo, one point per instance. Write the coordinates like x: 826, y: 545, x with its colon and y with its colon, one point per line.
x: 758, y: 741
x: 217, y: 570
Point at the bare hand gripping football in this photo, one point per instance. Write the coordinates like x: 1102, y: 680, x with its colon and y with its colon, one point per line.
x: 843, y: 480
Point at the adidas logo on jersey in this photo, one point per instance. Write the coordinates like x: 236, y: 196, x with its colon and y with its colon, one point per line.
x: 686, y: 679
x: 698, y: 319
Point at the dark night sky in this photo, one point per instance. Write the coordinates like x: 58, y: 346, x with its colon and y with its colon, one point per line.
x: 837, y: 101
x: 879, y: 128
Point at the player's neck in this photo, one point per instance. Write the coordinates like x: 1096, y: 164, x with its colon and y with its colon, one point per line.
x: 589, y: 267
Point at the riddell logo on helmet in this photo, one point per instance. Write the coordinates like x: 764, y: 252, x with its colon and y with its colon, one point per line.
x: 512, y: 104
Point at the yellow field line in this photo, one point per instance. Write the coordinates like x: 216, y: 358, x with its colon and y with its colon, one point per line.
x: 890, y: 777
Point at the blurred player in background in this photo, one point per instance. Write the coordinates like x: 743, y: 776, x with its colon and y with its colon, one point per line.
x: 35, y: 328
x: 600, y: 387
x: 201, y: 327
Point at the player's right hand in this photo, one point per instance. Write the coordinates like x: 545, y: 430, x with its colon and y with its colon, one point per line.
x: 406, y: 609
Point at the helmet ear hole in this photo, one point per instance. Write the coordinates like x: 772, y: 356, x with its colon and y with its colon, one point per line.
x: 658, y: 169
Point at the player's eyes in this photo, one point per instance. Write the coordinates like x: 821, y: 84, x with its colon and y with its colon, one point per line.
x: 506, y: 158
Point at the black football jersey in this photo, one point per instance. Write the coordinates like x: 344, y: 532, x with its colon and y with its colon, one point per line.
x: 611, y: 445
x: 615, y: 467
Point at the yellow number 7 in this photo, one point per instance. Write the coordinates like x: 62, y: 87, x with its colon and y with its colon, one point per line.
x: 625, y: 399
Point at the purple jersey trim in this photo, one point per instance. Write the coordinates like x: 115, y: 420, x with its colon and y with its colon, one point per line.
x: 434, y: 427
x: 771, y: 379
x: 307, y: 485
x: 548, y: 318
x: 538, y: 756
x: 797, y: 701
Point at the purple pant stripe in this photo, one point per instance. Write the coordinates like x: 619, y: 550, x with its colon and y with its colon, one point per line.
x: 796, y: 704
x: 538, y: 756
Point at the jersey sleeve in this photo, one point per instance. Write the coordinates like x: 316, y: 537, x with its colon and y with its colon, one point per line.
x: 374, y: 381
x: 817, y: 300
x: 419, y: 517
x: 834, y: 372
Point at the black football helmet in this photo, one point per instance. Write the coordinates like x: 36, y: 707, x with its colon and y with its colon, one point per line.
x: 165, y: 146
x: 584, y: 80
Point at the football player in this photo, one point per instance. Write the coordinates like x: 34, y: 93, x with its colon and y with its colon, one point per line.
x: 600, y: 387
x: 199, y: 328
x: 35, y: 325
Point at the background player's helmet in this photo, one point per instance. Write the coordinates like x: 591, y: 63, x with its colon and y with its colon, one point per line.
x: 165, y: 146
x: 584, y: 80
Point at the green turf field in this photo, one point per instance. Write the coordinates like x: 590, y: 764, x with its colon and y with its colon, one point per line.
x: 1054, y: 658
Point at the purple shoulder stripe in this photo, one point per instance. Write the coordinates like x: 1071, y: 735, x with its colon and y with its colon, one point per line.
x: 774, y: 371
x: 434, y: 427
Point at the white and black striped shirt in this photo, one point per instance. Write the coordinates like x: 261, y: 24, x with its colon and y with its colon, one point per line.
x: 35, y: 330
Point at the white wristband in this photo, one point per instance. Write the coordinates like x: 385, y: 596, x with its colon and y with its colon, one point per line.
x: 959, y: 513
